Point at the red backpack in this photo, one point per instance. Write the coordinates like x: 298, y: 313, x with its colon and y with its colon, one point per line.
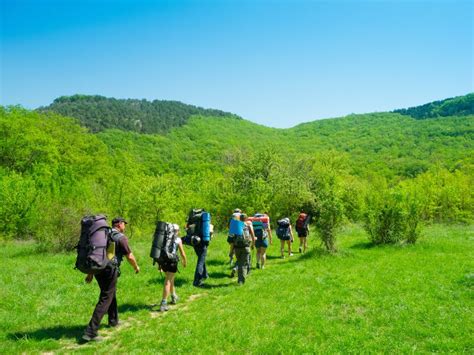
x: 301, y: 225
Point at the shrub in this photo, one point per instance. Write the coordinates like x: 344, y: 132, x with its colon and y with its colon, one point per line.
x: 392, y: 215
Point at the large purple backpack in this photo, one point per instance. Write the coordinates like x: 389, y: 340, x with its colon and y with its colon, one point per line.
x: 92, y: 247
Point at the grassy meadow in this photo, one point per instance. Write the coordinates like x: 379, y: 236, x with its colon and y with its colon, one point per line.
x: 403, y: 298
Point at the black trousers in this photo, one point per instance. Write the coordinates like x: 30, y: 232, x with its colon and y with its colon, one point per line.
x: 201, y: 271
x: 107, y: 280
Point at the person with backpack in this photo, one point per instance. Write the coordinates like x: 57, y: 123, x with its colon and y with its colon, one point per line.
x: 107, y: 280
x: 263, y: 235
x: 230, y: 238
x: 302, y: 229
x: 285, y: 234
x: 199, y: 224
x: 169, y: 265
x: 242, y: 245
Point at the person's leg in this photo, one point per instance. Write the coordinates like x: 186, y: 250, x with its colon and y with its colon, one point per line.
x: 282, y: 248
x: 167, y: 286
x: 201, y: 272
x: 258, y: 258
x: 231, y: 253
x: 113, y: 311
x: 263, y: 256
x: 305, y: 244
x: 289, y: 248
x: 107, y: 281
x: 300, y: 249
x: 241, y: 264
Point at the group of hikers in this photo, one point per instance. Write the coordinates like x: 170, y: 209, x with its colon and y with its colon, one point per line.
x: 101, y: 251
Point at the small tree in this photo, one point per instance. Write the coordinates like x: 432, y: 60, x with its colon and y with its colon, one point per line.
x: 329, y: 208
x: 392, y: 215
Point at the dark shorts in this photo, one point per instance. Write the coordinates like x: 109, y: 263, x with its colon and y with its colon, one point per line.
x: 302, y: 235
x: 285, y: 238
x: 169, y: 267
x: 261, y: 243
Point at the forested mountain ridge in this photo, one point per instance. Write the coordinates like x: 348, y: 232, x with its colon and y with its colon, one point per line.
x: 54, y: 171
x: 456, y: 106
x: 99, y: 113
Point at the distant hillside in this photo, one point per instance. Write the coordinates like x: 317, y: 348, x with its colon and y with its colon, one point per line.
x: 456, y: 106
x: 99, y: 113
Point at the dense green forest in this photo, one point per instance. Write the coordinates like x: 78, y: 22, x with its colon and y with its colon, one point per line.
x: 456, y: 106
x: 388, y: 171
x: 99, y: 113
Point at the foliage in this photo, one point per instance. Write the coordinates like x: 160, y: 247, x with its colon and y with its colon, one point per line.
x: 50, y: 167
x: 457, y: 106
x: 99, y: 113
x: 392, y: 215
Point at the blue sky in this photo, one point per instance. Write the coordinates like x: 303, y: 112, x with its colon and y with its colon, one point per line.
x: 274, y: 62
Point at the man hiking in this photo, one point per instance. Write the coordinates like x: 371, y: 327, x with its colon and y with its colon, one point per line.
x: 107, y: 280
x: 242, y: 245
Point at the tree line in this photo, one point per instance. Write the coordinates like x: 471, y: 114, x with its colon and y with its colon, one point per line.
x: 386, y: 171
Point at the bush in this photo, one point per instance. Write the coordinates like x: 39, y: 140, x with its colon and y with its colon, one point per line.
x: 391, y: 216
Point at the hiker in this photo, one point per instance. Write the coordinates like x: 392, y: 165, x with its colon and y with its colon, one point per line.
x: 235, y: 216
x: 107, y: 280
x: 170, y: 268
x: 201, y: 274
x: 302, y: 229
x: 285, y: 234
x: 263, y: 235
x: 242, y: 245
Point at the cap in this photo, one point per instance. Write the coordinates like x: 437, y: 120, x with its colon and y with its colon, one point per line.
x: 237, y: 210
x: 118, y: 220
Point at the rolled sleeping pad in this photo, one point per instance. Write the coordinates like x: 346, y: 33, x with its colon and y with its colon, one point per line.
x: 236, y: 227
x: 206, y: 226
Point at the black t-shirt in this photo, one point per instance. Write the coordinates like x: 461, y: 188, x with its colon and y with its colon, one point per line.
x: 121, y: 245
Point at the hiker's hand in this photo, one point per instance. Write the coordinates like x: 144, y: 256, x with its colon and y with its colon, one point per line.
x: 137, y: 270
x: 89, y: 278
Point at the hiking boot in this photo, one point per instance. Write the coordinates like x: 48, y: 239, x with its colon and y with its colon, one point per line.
x: 291, y: 254
x: 164, y: 307
x: 263, y: 267
x: 300, y: 250
x: 87, y: 337
x: 283, y: 257
x: 258, y: 266
x: 114, y: 324
x: 232, y: 273
x: 174, y: 299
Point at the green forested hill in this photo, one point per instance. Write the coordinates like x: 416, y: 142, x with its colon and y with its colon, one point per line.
x: 456, y: 106
x: 53, y: 171
x: 99, y: 113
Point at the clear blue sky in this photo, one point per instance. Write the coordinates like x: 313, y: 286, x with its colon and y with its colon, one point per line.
x: 274, y: 62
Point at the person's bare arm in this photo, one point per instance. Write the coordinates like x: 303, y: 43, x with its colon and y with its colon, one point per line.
x: 131, y: 259
x: 183, y: 254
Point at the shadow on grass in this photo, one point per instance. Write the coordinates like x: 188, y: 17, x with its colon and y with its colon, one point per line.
x: 132, y: 307
x: 56, y: 333
x: 219, y: 275
x: 216, y: 262
x: 160, y: 279
x: 270, y: 257
x: 210, y: 287
x: 363, y: 245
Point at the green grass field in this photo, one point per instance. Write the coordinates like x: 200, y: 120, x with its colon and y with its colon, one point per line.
x: 364, y: 299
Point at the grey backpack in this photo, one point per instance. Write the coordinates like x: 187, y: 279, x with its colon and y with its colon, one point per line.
x: 92, y: 248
